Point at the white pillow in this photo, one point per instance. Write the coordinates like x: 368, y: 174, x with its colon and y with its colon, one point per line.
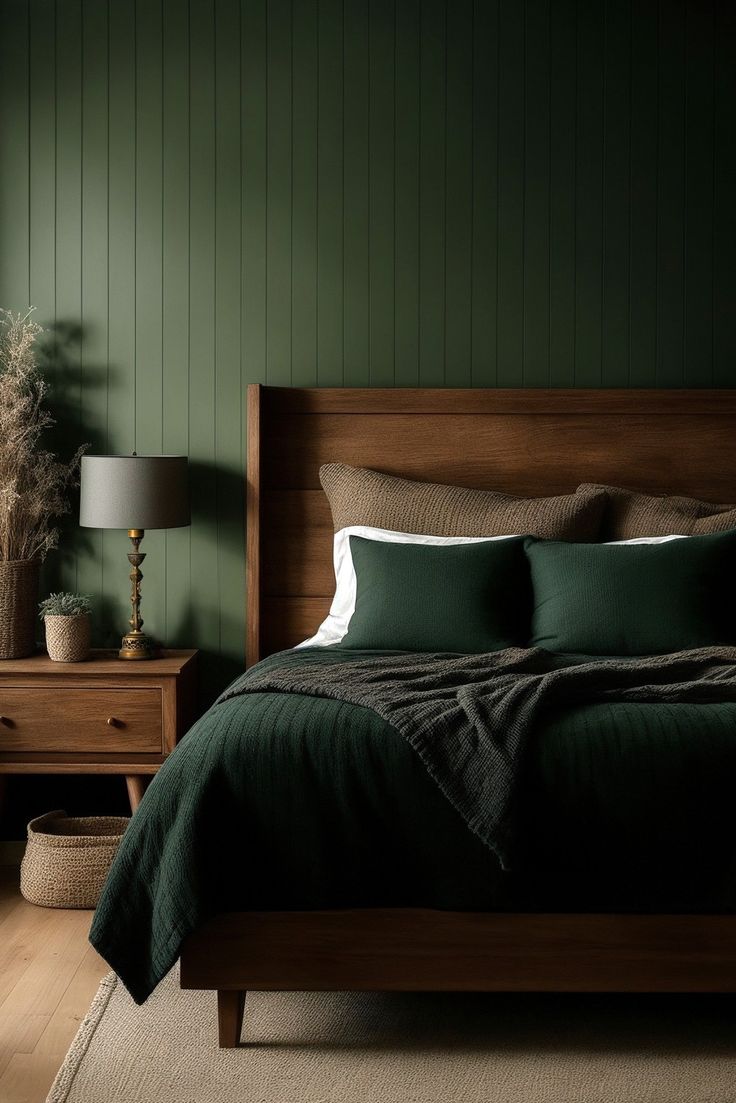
x: 649, y: 539
x: 335, y: 626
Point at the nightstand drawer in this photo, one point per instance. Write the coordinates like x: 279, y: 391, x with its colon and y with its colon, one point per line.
x: 74, y: 718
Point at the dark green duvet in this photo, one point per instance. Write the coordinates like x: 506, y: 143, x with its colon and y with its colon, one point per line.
x: 282, y: 801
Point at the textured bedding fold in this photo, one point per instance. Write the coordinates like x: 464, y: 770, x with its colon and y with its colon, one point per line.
x: 469, y: 717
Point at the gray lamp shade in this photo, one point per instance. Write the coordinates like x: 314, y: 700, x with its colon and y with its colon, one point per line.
x: 134, y: 492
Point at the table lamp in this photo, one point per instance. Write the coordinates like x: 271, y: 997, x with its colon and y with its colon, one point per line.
x: 134, y: 493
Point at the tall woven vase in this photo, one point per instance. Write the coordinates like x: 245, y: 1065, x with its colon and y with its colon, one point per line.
x: 18, y: 607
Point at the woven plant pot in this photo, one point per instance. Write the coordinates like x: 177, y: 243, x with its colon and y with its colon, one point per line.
x: 18, y: 607
x: 67, y: 638
x: 67, y: 859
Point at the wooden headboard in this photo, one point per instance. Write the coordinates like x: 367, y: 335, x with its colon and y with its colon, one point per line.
x: 531, y: 442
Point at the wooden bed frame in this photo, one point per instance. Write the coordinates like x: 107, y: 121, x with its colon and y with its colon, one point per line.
x: 530, y: 442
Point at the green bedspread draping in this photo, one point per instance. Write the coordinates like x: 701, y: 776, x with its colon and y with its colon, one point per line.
x: 280, y: 800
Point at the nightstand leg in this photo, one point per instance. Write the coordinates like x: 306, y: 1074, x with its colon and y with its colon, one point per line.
x: 137, y: 784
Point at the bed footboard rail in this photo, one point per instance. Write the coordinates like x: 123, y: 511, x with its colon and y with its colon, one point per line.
x: 387, y: 949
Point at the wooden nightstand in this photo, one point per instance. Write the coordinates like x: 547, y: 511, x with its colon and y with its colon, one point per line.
x: 102, y: 716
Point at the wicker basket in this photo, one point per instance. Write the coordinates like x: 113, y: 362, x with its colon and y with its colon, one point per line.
x: 67, y: 638
x: 18, y: 607
x: 67, y: 860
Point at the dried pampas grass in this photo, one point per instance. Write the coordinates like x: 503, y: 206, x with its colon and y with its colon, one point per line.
x: 33, y: 483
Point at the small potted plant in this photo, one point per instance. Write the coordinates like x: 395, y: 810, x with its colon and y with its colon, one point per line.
x: 67, y: 621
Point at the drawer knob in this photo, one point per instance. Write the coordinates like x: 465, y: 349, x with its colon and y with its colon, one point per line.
x: 5, y: 720
x: 113, y: 722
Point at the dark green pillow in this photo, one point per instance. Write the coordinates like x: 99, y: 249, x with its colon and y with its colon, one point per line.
x: 423, y: 597
x: 635, y: 599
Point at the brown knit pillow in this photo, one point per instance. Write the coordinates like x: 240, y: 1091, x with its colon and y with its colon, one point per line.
x: 358, y: 496
x: 633, y: 513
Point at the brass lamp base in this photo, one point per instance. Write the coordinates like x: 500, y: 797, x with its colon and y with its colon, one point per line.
x: 136, y: 645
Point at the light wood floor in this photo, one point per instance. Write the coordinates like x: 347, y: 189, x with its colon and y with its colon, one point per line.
x: 49, y: 974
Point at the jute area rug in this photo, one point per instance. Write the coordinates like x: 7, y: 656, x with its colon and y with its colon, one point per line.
x: 397, y: 1048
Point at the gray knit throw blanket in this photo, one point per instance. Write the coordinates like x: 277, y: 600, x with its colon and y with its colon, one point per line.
x: 469, y: 717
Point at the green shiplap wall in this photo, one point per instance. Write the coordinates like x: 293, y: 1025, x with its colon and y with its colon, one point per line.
x: 340, y: 192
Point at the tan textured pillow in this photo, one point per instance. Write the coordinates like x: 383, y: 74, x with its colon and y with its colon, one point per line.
x: 359, y: 496
x: 633, y: 513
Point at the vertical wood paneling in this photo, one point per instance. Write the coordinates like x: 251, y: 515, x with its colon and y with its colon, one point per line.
x: 42, y: 163
x: 698, y: 221
x: 121, y: 288
x: 616, y: 199
x: 148, y: 226
x: 432, y: 195
x: 14, y: 75
x: 356, y: 208
x: 41, y: 228
x: 724, y: 211
x: 536, y: 366
x: 589, y: 195
x: 304, y: 120
x: 670, y: 195
x: 148, y: 280
x: 253, y: 211
x: 175, y: 305
x: 202, y: 230
x: 121, y: 228
x: 254, y: 199
x: 328, y: 191
x: 459, y: 192
x: 406, y: 239
x: 14, y: 111
x: 95, y: 266
x: 278, y: 183
x: 643, y: 190
x: 330, y: 271
x: 381, y: 192
x: 511, y: 109
x: 66, y: 369
x: 484, y: 276
x: 228, y: 405
x: 562, y: 191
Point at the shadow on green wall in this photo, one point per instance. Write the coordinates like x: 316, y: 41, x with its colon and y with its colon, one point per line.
x: 213, y: 618
x: 59, y: 359
x: 202, y: 614
x: 73, y: 392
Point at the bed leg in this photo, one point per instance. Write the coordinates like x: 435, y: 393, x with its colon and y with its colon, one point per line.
x: 230, y: 1007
